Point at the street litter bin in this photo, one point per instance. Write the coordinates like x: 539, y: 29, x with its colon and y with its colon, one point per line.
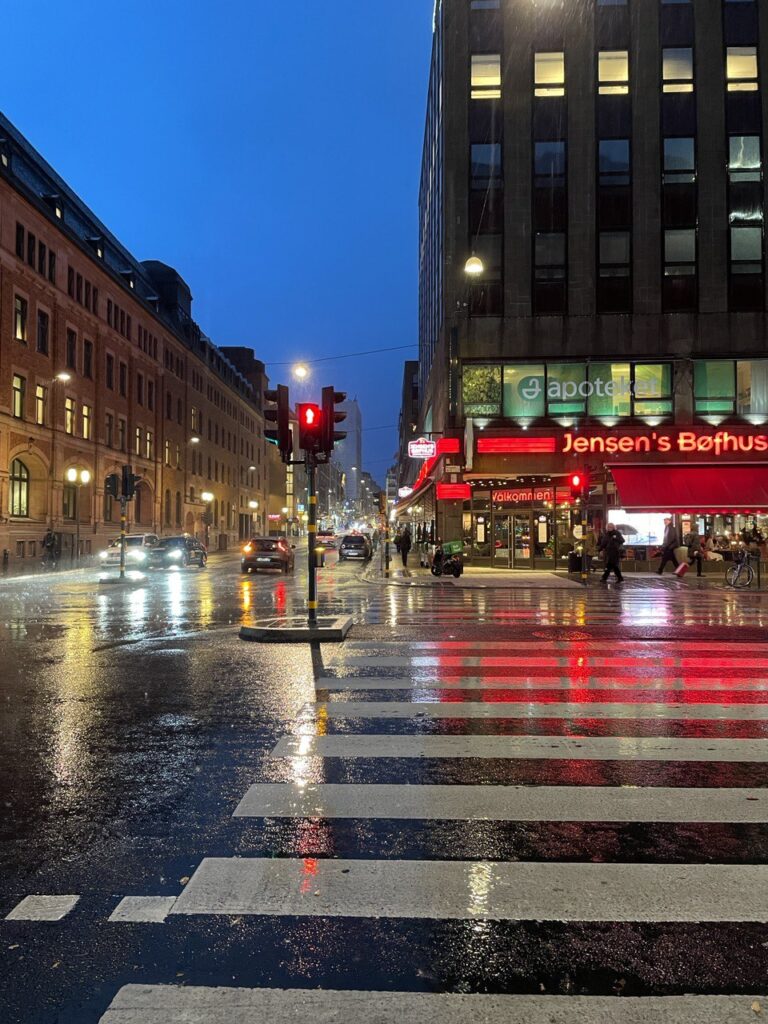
x: 574, y: 562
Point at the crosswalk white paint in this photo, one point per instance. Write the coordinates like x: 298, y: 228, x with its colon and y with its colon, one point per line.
x: 43, y: 908
x: 591, y: 748
x: 472, y: 890
x: 504, y: 803
x: 161, y: 1004
x: 521, y: 709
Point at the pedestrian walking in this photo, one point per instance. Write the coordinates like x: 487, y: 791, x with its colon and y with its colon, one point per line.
x: 405, y: 547
x: 611, y: 544
x: 591, y: 548
x: 695, y: 551
x: 398, y: 541
x: 669, y: 544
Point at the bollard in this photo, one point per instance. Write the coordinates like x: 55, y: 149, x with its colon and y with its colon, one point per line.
x: 6, y: 560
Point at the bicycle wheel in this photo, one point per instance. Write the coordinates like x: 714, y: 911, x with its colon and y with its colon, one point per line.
x: 739, y: 575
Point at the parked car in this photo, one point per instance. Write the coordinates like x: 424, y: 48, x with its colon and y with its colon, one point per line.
x: 180, y: 551
x: 355, y: 545
x: 137, y: 549
x: 326, y: 539
x: 267, y: 553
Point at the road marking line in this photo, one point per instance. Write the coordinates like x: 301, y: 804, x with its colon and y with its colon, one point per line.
x: 153, y: 1004
x: 535, y: 683
x: 573, y: 661
x: 520, y: 709
x: 503, y: 803
x: 42, y: 908
x: 594, y: 748
x: 147, y: 909
x: 471, y: 890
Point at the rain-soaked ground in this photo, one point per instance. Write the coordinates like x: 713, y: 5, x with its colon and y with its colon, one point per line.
x: 133, y: 722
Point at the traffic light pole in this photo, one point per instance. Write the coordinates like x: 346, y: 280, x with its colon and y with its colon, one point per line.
x: 123, y: 525
x: 312, y: 540
x: 584, y: 555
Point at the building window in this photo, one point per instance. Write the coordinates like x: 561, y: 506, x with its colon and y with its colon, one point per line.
x: 69, y: 501
x: 741, y: 68
x: 679, y: 161
x: 140, y: 389
x: 549, y: 74
x: 110, y: 372
x: 19, y: 492
x: 20, y: 233
x: 167, y: 453
x: 149, y: 445
x: 18, y: 394
x: 43, y: 326
x: 137, y: 438
x: 41, y: 405
x: 614, y: 161
x: 123, y: 380
x: 614, y: 284
x: 178, y: 456
x: 20, y: 309
x: 744, y: 160
x: 549, y: 164
x: 486, y: 76
x: 178, y: 508
x: 150, y: 396
x: 677, y: 69
x: 613, y: 72
x: 88, y: 359
x: 167, y: 509
x: 679, y: 269
x: 52, y: 267
x: 110, y: 430
x: 752, y: 389
x: 87, y: 422
x: 69, y: 416
x: 122, y: 432
x: 714, y: 387
x: 549, y: 293
x: 746, y: 250
x: 42, y: 252
x: 485, y: 169
x: 31, y: 250
x: 71, y: 350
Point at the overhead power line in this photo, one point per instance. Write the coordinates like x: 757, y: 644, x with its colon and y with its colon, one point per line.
x: 347, y: 355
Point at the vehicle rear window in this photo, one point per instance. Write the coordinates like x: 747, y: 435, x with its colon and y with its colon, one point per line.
x: 354, y: 542
x: 264, y: 545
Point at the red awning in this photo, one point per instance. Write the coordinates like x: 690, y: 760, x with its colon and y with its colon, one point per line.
x: 693, y: 488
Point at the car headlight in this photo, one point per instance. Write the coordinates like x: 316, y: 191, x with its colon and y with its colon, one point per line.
x: 103, y: 555
x: 138, y: 556
x: 174, y: 554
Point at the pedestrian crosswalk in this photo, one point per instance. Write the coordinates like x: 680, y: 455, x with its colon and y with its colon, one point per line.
x: 569, y: 758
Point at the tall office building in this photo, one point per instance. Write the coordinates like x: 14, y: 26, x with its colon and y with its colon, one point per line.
x: 349, y: 452
x: 592, y: 270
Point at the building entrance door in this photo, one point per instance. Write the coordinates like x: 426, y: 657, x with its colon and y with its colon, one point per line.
x: 512, y: 541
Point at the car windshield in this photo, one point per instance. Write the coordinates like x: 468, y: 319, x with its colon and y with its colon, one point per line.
x: 131, y: 542
x: 354, y: 542
x: 171, y: 542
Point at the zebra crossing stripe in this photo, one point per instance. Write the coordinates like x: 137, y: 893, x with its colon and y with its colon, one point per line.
x: 334, y: 683
x: 477, y: 890
x: 517, y: 709
x: 504, y: 803
x: 162, y: 1004
x: 564, y: 661
x: 595, y: 748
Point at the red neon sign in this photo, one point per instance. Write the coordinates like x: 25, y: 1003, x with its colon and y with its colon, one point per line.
x: 453, y: 492
x: 516, y: 445
x: 529, y: 495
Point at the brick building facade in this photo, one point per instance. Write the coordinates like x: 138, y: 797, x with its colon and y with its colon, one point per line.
x: 101, y: 364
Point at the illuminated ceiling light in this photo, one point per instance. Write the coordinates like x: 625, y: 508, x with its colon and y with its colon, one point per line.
x: 609, y: 421
x: 565, y: 421
x: 652, y: 421
x: 713, y: 421
x: 474, y: 266
x: 524, y: 422
x: 756, y: 421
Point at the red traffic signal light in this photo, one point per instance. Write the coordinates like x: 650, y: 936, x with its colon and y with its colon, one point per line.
x: 579, y: 484
x: 310, y: 426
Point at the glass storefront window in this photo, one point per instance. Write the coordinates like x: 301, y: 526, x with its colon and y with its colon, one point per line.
x: 482, y: 390
x: 612, y: 392
x: 565, y: 391
x: 653, y: 389
x: 524, y: 391
x: 752, y: 388
x: 714, y: 386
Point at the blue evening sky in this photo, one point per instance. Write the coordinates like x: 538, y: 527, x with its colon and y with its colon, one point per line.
x: 267, y: 149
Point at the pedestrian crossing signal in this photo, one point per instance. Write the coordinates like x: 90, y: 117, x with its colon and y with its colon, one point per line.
x: 310, y: 427
x: 579, y: 484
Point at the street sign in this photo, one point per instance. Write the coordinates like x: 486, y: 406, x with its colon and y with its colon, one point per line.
x: 422, y: 449
x: 453, y: 469
x: 404, y: 492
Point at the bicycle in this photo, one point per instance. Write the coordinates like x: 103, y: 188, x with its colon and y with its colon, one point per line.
x: 741, y: 573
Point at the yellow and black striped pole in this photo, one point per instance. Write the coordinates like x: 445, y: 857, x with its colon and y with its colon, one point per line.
x: 312, y: 540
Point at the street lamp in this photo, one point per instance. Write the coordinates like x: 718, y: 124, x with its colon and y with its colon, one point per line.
x: 78, y: 478
x: 300, y: 371
x: 253, y: 505
x: 207, y: 498
x: 474, y: 266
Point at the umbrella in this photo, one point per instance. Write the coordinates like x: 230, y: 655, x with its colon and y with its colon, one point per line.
x: 628, y: 530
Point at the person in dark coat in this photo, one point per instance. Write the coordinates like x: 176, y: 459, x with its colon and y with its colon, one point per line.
x: 611, y: 544
x: 405, y: 547
x: 669, y: 545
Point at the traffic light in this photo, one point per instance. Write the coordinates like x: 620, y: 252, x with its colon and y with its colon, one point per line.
x: 112, y: 486
x: 579, y: 484
x: 332, y: 416
x: 129, y: 483
x: 281, y: 417
x: 310, y: 427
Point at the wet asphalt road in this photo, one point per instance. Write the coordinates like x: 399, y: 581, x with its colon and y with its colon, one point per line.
x: 134, y: 721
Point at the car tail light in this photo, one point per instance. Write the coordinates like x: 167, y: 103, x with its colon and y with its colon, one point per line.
x: 248, y: 549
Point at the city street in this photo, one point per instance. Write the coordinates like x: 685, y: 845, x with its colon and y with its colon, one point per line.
x: 517, y: 793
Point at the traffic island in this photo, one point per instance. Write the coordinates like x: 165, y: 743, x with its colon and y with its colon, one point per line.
x: 296, y: 629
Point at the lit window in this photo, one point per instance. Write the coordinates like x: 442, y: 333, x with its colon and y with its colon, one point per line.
x: 20, y: 319
x: 549, y: 74
x: 41, y: 405
x: 677, y: 70
x: 744, y: 161
x: 486, y: 76
x: 613, y: 72
x: 149, y: 445
x: 18, y: 387
x: 680, y: 251
x: 19, y: 494
x: 167, y: 453
x: 137, y: 441
x: 741, y: 68
x: 87, y: 422
x: 746, y: 250
x: 714, y: 386
x: 69, y: 416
